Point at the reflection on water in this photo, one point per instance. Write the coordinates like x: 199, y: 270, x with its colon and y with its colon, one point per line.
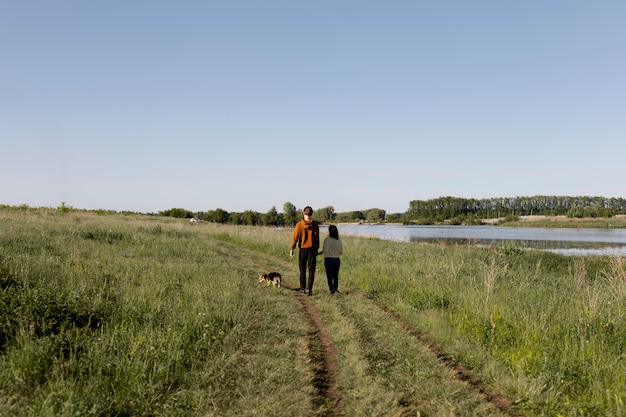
x: 564, y: 241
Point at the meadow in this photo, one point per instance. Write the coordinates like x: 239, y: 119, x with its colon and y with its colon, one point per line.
x: 131, y: 315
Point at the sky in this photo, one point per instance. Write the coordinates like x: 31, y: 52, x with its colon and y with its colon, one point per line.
x: 247, y: 105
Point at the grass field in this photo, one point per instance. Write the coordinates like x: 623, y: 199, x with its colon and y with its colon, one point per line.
x: 615, y: 222
x: 149, y: 316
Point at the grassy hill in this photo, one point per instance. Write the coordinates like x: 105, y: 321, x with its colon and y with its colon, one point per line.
x: 151, y: 316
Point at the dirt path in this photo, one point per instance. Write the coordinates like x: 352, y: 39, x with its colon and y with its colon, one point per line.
x: 327, y: 398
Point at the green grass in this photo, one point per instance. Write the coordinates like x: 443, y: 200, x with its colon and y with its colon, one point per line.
x: 150, y: 316
x: 615, y: 222
x: 114, y: 316
x: 555, y: 325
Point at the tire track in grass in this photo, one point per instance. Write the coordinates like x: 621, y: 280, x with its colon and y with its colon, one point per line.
x: 460, y: 372
x: 326, y: 400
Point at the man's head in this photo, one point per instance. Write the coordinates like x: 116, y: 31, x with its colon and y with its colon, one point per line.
x: 308, y: 211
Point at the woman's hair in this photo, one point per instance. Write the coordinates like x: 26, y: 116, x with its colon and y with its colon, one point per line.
x: 333, y: 232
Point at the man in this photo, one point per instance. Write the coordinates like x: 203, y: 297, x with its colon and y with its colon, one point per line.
x: 306, y: 235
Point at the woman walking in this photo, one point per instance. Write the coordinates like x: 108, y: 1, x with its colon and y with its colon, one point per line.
x: 332, y: 249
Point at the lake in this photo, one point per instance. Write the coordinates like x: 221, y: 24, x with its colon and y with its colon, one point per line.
x: 569, y: 241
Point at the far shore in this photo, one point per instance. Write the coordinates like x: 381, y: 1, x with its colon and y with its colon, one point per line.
x: 616, y: 222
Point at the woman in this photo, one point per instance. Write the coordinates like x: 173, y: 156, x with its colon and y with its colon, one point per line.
x: 331, y: 249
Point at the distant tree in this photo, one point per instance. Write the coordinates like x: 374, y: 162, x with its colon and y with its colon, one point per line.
x: 272, y: 218
x: 375, y: 215
x: 250, y: 217
x: 65, y: 209
x: 349, y: 217
x: 593, y: 211
x: 324, y: 214
x: 178, y: 213
x: 235, y: 218
x: 290, y: 214
x: 217, y: 216
x: 443, y: 208
x: 395, y: 218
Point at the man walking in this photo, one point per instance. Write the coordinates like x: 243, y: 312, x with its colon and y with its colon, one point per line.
x: 306, y: 235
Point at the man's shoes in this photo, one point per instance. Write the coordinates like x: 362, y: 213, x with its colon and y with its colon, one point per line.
x: 301, y: 291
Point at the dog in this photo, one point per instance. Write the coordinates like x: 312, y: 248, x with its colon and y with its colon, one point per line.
x: 273, y: 278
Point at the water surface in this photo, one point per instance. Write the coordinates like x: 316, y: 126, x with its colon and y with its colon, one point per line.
x: 569, y: 241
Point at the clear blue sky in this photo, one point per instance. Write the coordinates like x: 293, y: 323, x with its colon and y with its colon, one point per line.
x: 245, y: 105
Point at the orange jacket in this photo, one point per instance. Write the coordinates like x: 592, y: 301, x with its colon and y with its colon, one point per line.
x: 306, y: 235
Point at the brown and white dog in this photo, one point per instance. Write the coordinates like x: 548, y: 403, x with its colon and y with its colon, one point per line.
x: 273, y: 278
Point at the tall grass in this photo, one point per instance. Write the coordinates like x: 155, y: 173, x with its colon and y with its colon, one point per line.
x: 115, y: 317
x: 123, y: 315
x: 548, y: 330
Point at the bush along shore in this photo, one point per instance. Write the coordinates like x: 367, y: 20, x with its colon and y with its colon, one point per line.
x: 133, y: 315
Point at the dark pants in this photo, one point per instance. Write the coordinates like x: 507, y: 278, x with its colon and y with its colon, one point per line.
x: 332, y: 273
x: 307, y: 257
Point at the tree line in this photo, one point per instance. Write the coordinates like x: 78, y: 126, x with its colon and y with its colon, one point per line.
x: 451, y: 209
x: 446, y: 208
x: 289, y: 217
x: 466, y: 210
